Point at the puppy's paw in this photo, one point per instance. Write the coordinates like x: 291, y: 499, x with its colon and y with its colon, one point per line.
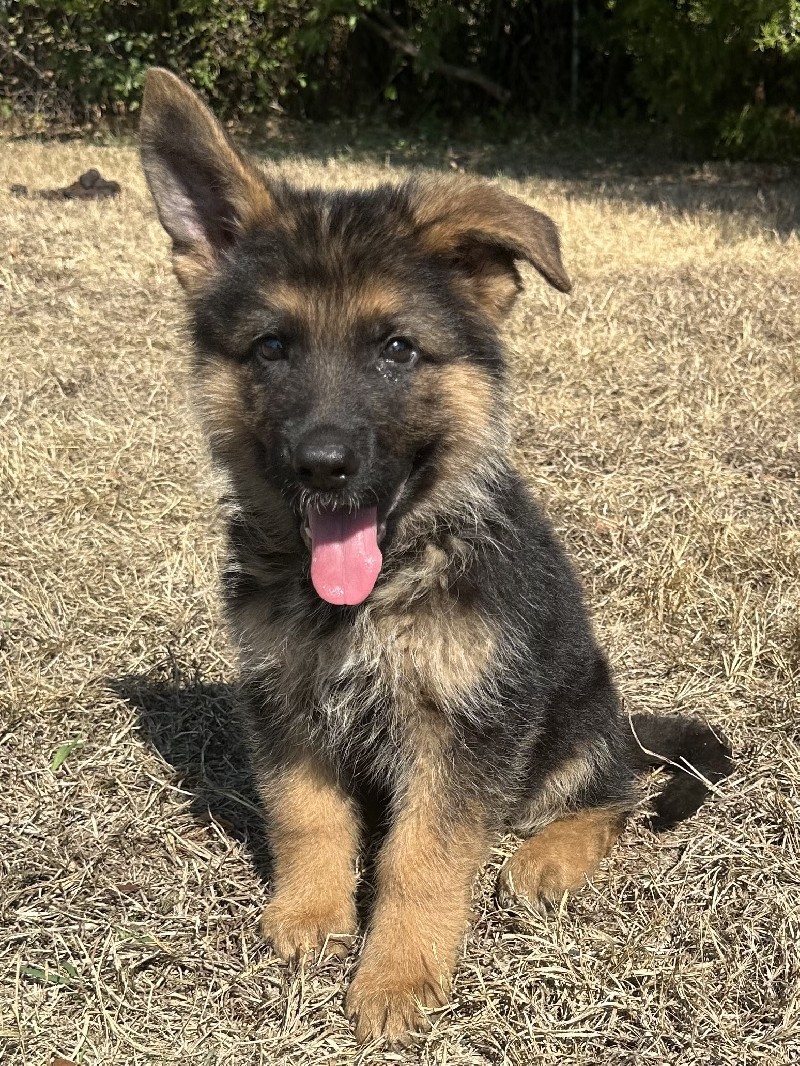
x: 382, y: 1004
x: 295, y: 928
x: 541, y: 883
x: 560, y: 859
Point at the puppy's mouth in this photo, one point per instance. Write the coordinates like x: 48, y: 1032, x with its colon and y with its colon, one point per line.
x: 344, y: 541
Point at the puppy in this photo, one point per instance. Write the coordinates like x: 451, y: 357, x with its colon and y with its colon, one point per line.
x: 408, y: 626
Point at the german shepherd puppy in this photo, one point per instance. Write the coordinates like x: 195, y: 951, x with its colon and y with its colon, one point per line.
x: 407, y: 622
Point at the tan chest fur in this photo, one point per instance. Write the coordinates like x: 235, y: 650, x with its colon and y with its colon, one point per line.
x: 425, y: 641
x: 415, y: 643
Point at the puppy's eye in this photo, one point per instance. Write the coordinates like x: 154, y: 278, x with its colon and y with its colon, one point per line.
x: 401, y: 350
x: 269, y: 348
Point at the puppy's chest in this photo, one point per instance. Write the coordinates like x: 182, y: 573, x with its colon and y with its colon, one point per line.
x: 383, y: 678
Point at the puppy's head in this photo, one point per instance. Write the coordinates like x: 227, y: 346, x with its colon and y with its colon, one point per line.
x: 347, y: 356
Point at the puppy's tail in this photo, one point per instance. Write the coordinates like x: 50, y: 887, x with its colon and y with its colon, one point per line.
x: 695, y: 756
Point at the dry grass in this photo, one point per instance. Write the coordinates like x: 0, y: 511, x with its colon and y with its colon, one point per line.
x: 658, y: 418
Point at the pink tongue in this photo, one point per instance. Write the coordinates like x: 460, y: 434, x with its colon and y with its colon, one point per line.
x: 345, y: 557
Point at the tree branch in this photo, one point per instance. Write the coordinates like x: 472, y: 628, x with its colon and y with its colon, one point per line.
x: 385, y: 26
x: 10, y: 50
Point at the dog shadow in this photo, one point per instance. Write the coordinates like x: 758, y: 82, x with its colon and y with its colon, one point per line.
x: 194, y: 727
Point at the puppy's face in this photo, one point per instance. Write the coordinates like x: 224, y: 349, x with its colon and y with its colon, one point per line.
x: 348, y: 367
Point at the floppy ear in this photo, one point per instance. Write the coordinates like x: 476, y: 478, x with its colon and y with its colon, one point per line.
x: 483, y: 232
x: 204, y: 191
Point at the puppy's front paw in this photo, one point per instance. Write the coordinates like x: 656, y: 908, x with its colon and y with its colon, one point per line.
x: 296, y: 928
x: 394, y: 1005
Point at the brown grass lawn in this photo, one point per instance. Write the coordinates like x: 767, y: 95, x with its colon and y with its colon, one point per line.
x: 657, y: 413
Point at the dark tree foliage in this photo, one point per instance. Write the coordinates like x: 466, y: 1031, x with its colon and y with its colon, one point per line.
x: 722, y: 75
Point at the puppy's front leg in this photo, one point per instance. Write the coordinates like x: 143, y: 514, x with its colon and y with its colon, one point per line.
x: 425, y: 872
x: 314, y: 835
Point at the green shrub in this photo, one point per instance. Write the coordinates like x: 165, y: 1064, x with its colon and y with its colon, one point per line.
x: 93, y: 54
x: 723, y: 74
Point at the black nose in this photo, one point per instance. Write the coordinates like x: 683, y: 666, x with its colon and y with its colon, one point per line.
x: 324, y: 460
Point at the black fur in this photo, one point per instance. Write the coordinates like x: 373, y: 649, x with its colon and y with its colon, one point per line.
x: 688, y: 748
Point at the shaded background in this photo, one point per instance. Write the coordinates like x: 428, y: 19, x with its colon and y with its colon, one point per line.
x: 713, y: 77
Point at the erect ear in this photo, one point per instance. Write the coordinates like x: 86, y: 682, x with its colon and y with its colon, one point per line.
x: 205, y: 192
x: 483, y: 231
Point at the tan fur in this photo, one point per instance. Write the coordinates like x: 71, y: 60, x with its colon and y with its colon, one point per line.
x: 285, y: 299
x: 376, y: 300
x: 492, y: 286
x: 248, y: 197
x: 484, y: 229
x: 447, y: 209
x: 562, y: 856
x: 329, y: 313
x: 327, y: 316
x: 471, y: 415
x: 426, y: 637
x: 425, y: 874
x: 193, y: 268
x: 218, y: 394
x: 314, y: 836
